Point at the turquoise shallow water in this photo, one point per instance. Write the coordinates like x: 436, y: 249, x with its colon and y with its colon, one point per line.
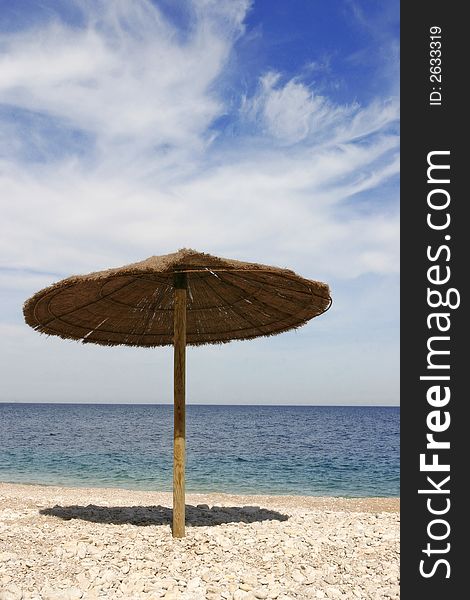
x: 310, y: 450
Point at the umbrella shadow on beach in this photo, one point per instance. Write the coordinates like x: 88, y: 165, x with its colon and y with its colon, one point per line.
x: 196, y: 516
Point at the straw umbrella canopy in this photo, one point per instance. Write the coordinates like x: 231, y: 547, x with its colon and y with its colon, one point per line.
x: 179, y: 299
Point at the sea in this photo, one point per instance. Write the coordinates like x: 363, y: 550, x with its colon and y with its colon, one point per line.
x: 301, y: 450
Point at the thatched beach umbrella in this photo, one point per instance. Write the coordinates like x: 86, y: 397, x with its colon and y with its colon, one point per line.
x: 183, y: 298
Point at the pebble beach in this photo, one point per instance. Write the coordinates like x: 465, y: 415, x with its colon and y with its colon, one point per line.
x: 69, y: 543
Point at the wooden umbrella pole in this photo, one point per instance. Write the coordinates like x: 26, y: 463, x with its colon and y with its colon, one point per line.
x: 179, y: 435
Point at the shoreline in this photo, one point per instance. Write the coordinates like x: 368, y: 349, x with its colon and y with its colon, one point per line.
x: 351, y: 503
x: 59, y: 543
x: 354, y: 504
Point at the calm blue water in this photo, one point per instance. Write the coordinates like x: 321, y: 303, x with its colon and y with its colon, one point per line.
x: 311, y: 450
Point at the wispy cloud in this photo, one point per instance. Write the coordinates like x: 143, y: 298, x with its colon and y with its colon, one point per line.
x: 149, y: 182
x: 126, y: 75
x: 291, y: 112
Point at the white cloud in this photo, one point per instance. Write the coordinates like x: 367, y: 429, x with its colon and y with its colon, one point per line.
x: 125, y: 74
x: 292, y: 112
x: 278, y: 208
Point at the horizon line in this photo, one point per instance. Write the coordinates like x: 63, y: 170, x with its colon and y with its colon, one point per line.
x: 195, y: 404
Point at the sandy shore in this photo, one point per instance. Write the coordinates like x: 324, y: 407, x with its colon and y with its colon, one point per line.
x: 71, y: 543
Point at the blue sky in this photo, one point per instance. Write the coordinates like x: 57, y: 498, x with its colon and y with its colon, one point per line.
x: 264, y: 131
